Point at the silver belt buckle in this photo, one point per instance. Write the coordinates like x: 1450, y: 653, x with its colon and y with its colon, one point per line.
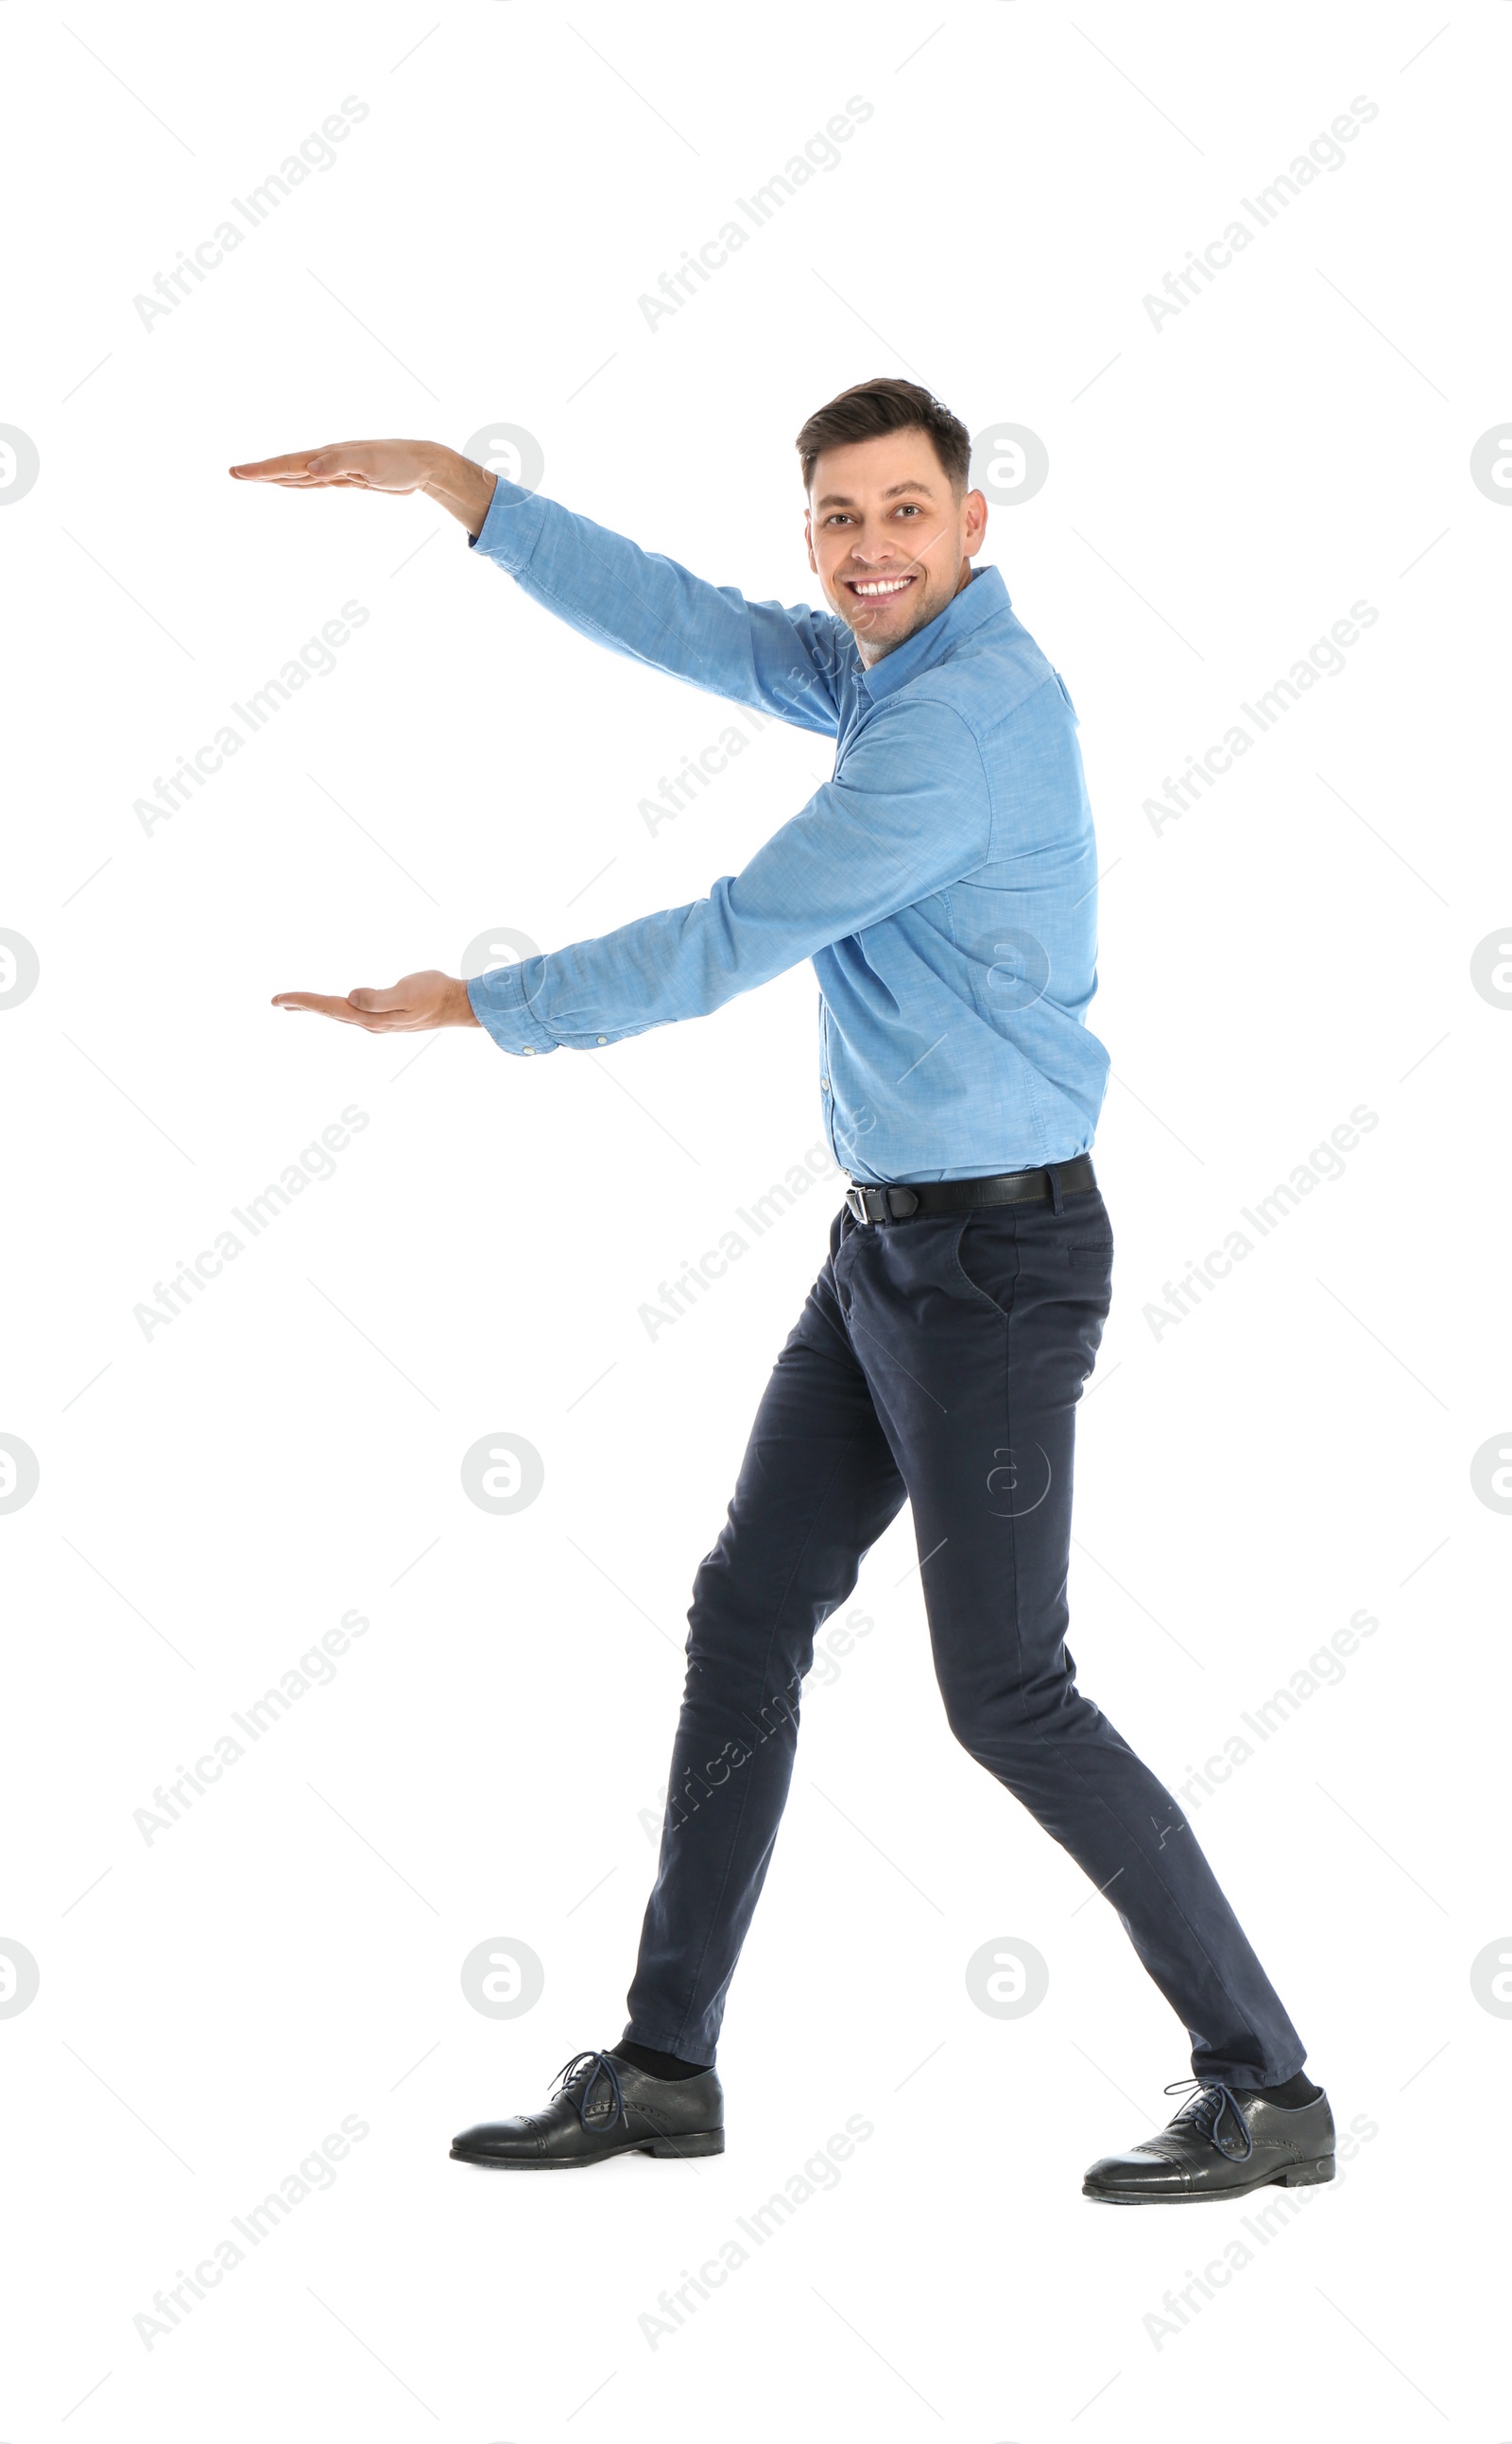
x: 855, y: 1199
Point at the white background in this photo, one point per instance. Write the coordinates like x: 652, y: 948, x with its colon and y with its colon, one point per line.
x: 214, y: 1497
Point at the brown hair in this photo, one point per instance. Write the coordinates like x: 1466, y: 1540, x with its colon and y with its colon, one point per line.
x: 869, y: 409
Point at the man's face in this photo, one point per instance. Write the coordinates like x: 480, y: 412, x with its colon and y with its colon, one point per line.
x: 888, y: 539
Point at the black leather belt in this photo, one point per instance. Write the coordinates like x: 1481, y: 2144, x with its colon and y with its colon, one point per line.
x: 871, y: 1203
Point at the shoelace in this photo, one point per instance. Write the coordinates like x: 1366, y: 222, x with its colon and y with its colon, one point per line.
x: 600, y: 2065
x: 1206, y: 2110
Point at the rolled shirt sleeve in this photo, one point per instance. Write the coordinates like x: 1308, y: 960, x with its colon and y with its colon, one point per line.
x: 909, y: 813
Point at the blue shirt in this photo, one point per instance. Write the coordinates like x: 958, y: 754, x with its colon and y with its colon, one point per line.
x: 943, y: 882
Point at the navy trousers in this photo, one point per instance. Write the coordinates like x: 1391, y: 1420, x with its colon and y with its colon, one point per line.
x: 938, y: 1360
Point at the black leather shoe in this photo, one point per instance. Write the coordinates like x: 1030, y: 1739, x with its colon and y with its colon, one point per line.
x: 603, y: 2106
x: 1219, y: 2145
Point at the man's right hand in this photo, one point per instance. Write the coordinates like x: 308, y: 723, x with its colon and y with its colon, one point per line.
x: 459, y: 484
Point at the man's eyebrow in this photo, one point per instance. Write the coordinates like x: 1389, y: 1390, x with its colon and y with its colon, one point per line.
x: 843, y: 500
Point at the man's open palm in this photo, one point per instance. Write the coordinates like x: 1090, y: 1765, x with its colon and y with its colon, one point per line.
x: 428, y: 999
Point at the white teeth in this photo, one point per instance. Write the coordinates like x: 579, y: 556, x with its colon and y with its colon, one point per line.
x: 884, y: 585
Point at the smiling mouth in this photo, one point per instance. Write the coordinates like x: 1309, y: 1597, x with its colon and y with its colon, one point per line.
x: 878, y: 589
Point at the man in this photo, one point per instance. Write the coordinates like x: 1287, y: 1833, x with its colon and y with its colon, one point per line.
x: 944, y: 885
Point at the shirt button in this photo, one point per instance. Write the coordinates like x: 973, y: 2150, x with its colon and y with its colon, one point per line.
x: 603, y: 1039
x: 824, y: 1083
x: 527, y: 1047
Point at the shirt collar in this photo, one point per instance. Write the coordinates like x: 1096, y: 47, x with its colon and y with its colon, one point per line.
x: 964, y: 613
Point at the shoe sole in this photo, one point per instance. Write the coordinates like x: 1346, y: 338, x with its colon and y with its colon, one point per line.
x: 693, y: 2142
x: 1291, y: 2177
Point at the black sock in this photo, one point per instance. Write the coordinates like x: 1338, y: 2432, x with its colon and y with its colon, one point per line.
x: 659, y: 2065
x: 1292, y: 2092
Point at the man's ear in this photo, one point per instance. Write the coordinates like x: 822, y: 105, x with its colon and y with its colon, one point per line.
x: 976, y: 523
x: 808, y: 541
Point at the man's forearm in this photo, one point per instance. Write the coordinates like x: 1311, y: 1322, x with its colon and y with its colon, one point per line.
x: 778, y: 661
x: 460, y: 486
x: 899, y: 825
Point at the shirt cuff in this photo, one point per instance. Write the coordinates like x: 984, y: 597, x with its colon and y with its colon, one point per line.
x: 513, y: 528
x: 499, y: 1004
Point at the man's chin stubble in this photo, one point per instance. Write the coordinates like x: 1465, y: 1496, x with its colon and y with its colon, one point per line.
x: 878, y: 648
